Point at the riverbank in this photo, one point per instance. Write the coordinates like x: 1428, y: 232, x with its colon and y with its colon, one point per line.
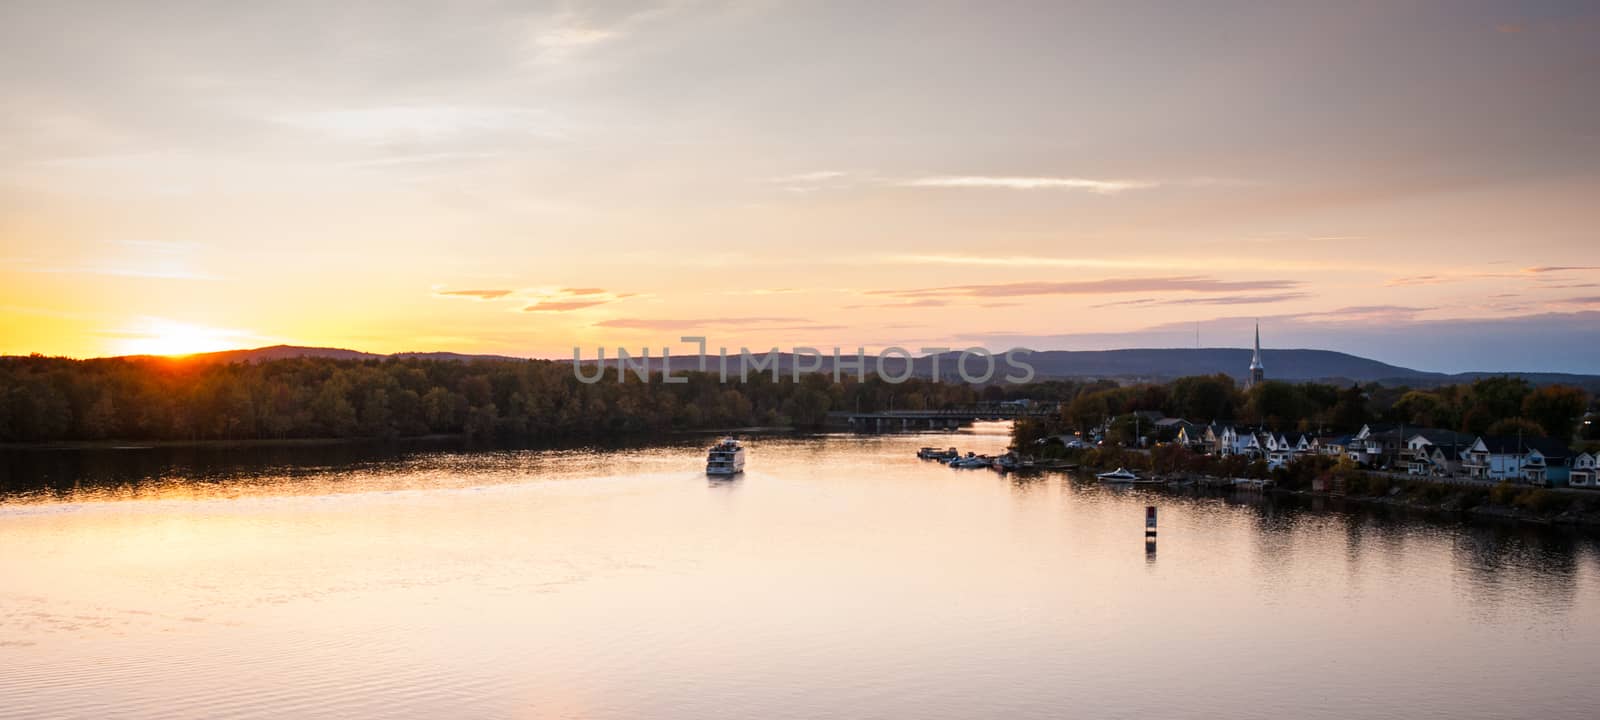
x: 1321, y: 477
x: 223, y: 444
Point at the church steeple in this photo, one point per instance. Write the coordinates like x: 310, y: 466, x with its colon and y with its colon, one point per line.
x: 1258, y: 372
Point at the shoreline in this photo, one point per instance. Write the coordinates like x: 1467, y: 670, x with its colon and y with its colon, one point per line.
x: 1546, y: 507
x: 221, y: 444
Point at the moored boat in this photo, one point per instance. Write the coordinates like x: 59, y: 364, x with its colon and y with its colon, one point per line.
x: 1118, y: 475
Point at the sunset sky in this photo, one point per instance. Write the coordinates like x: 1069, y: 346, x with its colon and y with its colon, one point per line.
x: 1413, y: 182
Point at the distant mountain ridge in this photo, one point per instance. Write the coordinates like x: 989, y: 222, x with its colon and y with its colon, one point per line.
x: 1152, y: 364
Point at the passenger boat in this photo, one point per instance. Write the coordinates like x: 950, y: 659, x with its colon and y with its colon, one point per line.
x: 929, y: 453
x: 725, y: 458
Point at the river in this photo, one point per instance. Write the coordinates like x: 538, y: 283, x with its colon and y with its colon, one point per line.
x: 839, y: 577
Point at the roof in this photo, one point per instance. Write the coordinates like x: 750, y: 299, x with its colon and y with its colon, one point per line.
x: 1513, y: 445
x: 1173, y: 421
x: 1445, y: 438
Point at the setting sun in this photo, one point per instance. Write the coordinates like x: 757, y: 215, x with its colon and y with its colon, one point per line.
x: 158, y: 336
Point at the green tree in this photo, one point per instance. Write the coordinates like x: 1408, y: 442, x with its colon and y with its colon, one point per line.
x: 1511, y: 427
x: 1556, y: 408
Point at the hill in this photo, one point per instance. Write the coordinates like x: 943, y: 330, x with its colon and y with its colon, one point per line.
x: 1140, y: 364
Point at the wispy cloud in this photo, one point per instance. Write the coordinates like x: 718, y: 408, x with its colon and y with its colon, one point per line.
x: 151, y: 259
x: 1185, y: 283
x: 570, y: 299
x: 412, y: 123
x: 475, y: 294
x: 1104, y: 187
x: 1559, y: 268
x: 919, y: 303
x: 748, y: 323
x: 808, y: 177
x: 562, y: 305
x: 1220, y: 300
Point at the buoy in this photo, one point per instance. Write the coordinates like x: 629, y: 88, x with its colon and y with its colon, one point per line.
x: 1149, y: 521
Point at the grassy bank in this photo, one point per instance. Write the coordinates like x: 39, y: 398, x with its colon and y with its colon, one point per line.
x: 1321, y: 476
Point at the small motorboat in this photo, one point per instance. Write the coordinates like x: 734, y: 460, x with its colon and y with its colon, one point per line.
x: 1119, y: 475
x: 971, y: 461
x: 1008, y: 461
x: 929, y: 453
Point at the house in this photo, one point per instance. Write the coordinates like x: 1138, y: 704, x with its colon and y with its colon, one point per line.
x: 1548, y: 462
x: 1582, y: 474
x: 1277, y: 448
x: 1168, y: 428
x: 1194, y: 437
x: 1334, y: 445
x: 1436, y: 453
x: 1382, y: 449
x: 1530, y: 460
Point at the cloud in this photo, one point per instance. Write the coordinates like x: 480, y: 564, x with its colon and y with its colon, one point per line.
x: 919, y: 303
x: 1220, y: 300
x: 400, y: 123
x: 1364, y: 314
x: 569, y: 299
x: 1418, y: 280
x: 564, y: 299
x: 568, y: 38
x: 475, y: 294
x: 1560, y: 268
x: 150, y: 259
x: 762, y: 323
x: 562, y: 305
x: 1104, y: 187
x: 1183, y: 283
x: 808, y: 177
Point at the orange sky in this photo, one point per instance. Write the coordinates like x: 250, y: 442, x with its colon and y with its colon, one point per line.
x: 520, y: 182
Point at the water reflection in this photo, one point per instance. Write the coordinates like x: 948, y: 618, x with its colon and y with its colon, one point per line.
x: 838, y: 576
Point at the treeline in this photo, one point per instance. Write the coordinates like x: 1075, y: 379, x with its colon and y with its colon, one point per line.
x: 1490, y: 406
x: 56, y: 399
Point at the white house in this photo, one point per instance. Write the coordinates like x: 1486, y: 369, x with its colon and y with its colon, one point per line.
x: 1582, y: 474
x: 1436, y: 452
x: 1278, y: 449
x: 1531, y: 460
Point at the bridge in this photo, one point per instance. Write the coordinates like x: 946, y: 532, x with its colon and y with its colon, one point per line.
x: 938, y: 419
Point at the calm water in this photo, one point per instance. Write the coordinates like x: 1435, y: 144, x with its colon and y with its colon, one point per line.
x: 840, y: 577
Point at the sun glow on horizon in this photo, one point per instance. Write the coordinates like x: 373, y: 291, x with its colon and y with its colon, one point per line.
x: 160, y: 336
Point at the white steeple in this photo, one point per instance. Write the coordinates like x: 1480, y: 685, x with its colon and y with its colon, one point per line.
x: 1258, y: 372
x: 1255, y: 360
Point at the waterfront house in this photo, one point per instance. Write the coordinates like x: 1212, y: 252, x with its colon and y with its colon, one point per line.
x: 1436, y: 453
x: 1529, y: 460
x: 1336, y: 446
x: 1169, y: 428
x: 1277, y: 449
x: 1195, y: 438
x: 1581, y: 474
x: 1381, y: 449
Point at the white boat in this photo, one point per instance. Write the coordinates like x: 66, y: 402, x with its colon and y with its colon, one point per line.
x: 971, y: 461
x: 1119, y: 475
x: 725, y: 458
